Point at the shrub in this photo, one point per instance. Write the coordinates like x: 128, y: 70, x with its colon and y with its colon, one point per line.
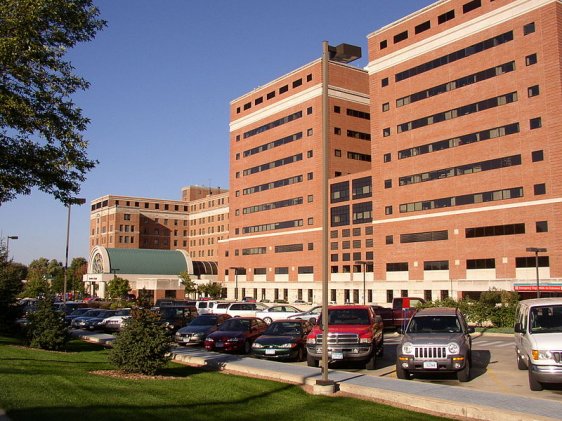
x: 143, y: 346
x: 46, y: 328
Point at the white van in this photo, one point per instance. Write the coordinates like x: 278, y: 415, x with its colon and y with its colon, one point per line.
x: 538, y: 340
x: 205, y: 306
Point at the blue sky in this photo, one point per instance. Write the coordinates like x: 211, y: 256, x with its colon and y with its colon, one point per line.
x: 162, y: 76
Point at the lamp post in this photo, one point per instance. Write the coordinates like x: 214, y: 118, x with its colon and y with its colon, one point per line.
x: 364, y: 264
x: 10, y: 237
x: 236, y: 269
x: 537, y: 250
x: 76, y: 201
x: 343, y: 53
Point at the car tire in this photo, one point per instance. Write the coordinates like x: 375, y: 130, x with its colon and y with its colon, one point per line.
x: 534, y: 384
x: 300, y: 354
x: 464, y: 375
x: 247, y: 347
x: 372, y: 362
x: 380, y: 352
x: 311, y: 361
x: 267, y: 320
x: 402, y: 373
x: 520, y: 362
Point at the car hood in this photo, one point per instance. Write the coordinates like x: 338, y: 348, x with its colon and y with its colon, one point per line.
x: 432, y: 338
x: 197, y: 329
x: 547, y: 341
x: 277, y: 340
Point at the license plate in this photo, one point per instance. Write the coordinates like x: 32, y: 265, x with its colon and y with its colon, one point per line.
x: 337, y: 355
x: 219, y: 345
x: 430, y: 364
x: 269, y: 352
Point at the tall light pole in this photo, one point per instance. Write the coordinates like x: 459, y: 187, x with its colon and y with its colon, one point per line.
x: 364, y: 264
x: 343, y: 53
x: 236, y: 269
x: 10, y: 237
x: 76, y: 201
x: 537, y: 250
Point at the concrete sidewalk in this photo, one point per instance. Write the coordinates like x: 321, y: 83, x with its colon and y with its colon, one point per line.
x: 425, y: 397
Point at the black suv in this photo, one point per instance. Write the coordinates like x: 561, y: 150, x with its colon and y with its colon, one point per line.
x: 435, y: 340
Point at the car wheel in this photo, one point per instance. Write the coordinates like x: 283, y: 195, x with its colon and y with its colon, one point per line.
x: 380, y: 353
x: 247, y: 347
x: 267, y: 320
x: 311, y: 361
x: 312, y: 320
x: 520, y: 362
x: 402, y: 373
x: 372, y: 362
x: 464, y: 374
x: 300, y: 355
x: 534, y: 384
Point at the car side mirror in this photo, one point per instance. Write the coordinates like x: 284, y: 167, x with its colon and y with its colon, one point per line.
x: 518, y: 328
x: 471, y: 329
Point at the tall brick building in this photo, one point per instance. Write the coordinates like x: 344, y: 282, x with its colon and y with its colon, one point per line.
x: 445, y: 163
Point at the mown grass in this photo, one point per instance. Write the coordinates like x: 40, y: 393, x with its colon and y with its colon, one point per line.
x: 37, y: 384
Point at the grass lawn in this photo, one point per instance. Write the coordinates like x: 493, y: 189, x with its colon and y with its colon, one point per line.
x: 37, y: 384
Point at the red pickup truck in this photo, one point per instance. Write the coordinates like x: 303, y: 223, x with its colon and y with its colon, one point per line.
x: 355, y: 333
x: 402, y: 310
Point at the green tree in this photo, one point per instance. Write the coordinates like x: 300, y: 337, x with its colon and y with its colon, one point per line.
x: 189, y: 286
x: 11, y: 276
x: 44, y: 276
x: 118, y: 288
x: 46, y: 328
x: 143, y: 345
x: 41, y: 142
x: 211, y: 289
x: 77, y: 269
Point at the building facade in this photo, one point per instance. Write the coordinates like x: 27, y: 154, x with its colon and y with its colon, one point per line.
x: 444, y: 171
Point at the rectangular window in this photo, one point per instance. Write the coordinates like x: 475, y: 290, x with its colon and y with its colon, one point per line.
x: 361, y: 188
x: 530, y: 262
x: 289, y: 248
x: 385, y: 107
x: 420, y: 237
x: 445, y: 17
x: 339, y: 216
x: 305, y: 270
x: 436, y: 265
x: 535, y: 123
x: 282, y: 271
x: 531, y: 59
x: 397, y: 267
x: 383, y: 44
x: 387, y: 184
x: 387, y: 157
x: 283, y: 89
x: 362, y: 213
x: 339, y: 192
x: 495, y: 230
x: 471, y: 5
x: 537, y: 156
x: 541, y: 226
x: 529, y: 28
x: 539, y: 189
x: 384, y: 82
x: 389, y: 239
x: 533, y: 91
x: 272, y: 124
x: 423, y: 27
x: 400, y: 37
x: 481, y: 264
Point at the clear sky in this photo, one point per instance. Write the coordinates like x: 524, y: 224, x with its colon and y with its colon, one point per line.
x: 162, y: 76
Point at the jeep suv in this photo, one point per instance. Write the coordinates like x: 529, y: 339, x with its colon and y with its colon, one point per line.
x: 435, y: 340
x: 538, y: 340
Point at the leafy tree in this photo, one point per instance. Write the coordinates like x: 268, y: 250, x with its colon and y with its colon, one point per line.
x: 43, y: 277
x: 117, y: 289
x: 189, y: 285
x: 78, y: 267
x: 46, y: 328
x: 143, y: 345
x: 41, y: 144
x: 11, y: 276
x: 211, y: 289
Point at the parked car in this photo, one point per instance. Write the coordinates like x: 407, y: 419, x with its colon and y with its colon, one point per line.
x: 249, y: 300
x: 236, y: 334
x: 283, y: 340
x: 196, y: 332
x: 221, y: 308
x: 245, y: 309
x: 277, y: 312
x: 115, y: 322
x: 76, y: 313
x: 69, y: 306
x: 435, y: 340
x: 176, y: 317
x: 538, y: 340
x: 205, y: 306
x: 310, y: 315
x: 91, y: 320
x: 397, y: 317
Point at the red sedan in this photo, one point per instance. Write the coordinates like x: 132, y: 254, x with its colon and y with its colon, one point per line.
x: 236, y: 335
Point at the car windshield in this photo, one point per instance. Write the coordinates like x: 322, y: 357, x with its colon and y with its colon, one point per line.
x: 284, y: 328
x: 348, y: 317
x: 105, y: 313
x: 235, y: 324
x: 434, y: 324
x: 123, y: 312
x: 546, y: 319
x: 79, y: 312
x: 204, y: 321
x: 92, y: 313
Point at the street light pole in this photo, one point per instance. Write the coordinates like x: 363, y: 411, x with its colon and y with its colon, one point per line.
x: 10, y: 237
x: 77, y: 201
x: 537, y: 250
x: 364, y: 264
x: 236, y: 268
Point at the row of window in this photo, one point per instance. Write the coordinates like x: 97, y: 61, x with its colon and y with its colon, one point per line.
x: 348, y: 232
x: 491, y: 164
x: 283, y: 89
x: 424, y: 26
x: 273, y: 185
x: 362, y: 213
x: 273, y: 226
x: 360, y: 188
x: 274, y: 164
x: 520, y: 262
x: 275, y: 205
x: 271, y: 145
x: 272, y: 124
x: 146, y: 205
x: 346, y: 245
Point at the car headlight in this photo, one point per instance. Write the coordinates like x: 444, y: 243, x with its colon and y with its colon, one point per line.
x: 453, y: 348
x: 198, y: 335
x: 257, y: 345
x: 209, y: 340
x: 367, y: 340
x: 311, y: 341
x: 288, y: 345
x: 178, y: 334
x: 407, y: 348
x: 542, y: 355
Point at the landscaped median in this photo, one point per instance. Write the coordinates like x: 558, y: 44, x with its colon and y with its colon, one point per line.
x: 80, y: 384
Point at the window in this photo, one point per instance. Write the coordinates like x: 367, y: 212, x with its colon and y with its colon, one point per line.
x: 282, y: 271
x: 495, y: 230
x: 362, y: 212
x: 337, y: 153
x: 273, y: 124
x: 337, y: 131
x: 309, y: 111
x: 361, y: 187
x: 423, y: 27
x: 436, y: 265
x: 384, y: 82
x: 533, y: 91
x: 530, y: 262
x: 305, y: 270
x: 419, y: 237
x: 289, y: 248
x: 446, y: 17
x: 339, y: 216
x: 539, y: 189
x: 529, y: 28
x: 389, y: 239
x: 400, y: 37
x: 387, y: 184
x: 537, y: 156
x: 258, y: 101
x: 283, y: 89
x: 383, y: 44
x: 389, y: 295
x: 337, y: 109
x: 471, y: 5
x: 339, y: 192
x: 385, y: 107
x: 297, y: 83
x: 387, y: 157
x: 397, y: 267
x: 481, y: 264
x: 309, y: 132
x: 535, y: 123
x: 359, y: 114
x: 388, y: 210
x: 386, y: 132
x: 531, y: 59
x: 271, y: 95
x: 309, y: 77
x: 541, y: 226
